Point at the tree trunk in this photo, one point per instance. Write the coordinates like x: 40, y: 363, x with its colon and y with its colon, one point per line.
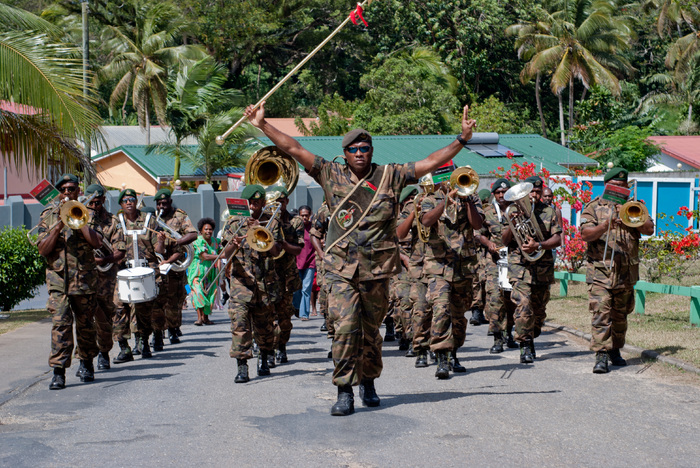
x: 176, y: 169
x: 690, y: 117
x: 571, y: 104
x: 561, y: 120
x: 539, y: 104
x: 148, y: 125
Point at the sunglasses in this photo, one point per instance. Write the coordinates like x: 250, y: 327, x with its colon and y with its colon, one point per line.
x: 68, y: 189
x: 353, y: 149
x: 128, y: 200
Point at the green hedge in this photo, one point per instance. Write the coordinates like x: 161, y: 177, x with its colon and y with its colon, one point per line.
x: 22, y: 269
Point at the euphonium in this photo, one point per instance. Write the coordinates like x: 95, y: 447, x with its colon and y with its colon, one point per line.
x: 105, y: 250
x: 523, y: 224
x: 180, y: 265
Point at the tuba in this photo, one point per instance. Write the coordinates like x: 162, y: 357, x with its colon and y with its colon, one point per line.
x: 523, y: 223
x: 466, y: 181
x: 270, y: 166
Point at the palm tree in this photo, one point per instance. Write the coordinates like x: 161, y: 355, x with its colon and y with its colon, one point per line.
x: 141, y: 58
x: 45, y: 76
x: 580, y: 39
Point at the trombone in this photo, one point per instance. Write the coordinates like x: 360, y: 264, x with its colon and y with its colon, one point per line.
x: 72, y: 213
x: 633, y: 214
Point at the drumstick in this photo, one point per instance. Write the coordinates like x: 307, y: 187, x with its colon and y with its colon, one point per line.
x: 166, y: 234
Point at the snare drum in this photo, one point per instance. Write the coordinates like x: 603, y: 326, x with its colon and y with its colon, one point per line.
x: 137, y: 285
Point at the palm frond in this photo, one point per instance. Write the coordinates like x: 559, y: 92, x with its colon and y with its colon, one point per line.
x: 16, y: 19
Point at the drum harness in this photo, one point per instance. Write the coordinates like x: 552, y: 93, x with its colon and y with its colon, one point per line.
x: 134, y: 236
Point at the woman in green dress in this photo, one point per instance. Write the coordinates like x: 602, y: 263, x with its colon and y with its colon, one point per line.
x: 205, y: 251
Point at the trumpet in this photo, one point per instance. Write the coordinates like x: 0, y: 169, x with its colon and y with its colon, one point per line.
x: 466, y: 181
x: 523, y: 224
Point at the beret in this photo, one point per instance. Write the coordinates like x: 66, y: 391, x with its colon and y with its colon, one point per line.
x: 162, y: 194
x: 126, y: 192
x: 95, y: 188
x: 66, y: 178
x: 354, y: 135
x: 279, y: 188
x: 535, y: 181
x: 616, y: 173
x: 253, y: 192
x: 406, y: 192
x: 501, y: 184
x: 484, y: 194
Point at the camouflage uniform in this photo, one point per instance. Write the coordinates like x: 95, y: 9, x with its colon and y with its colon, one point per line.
x: 71, y: 281
x: 358, y: 269
x: 172, y: 294
x: 139, y: 315
x: 532, y: 280
x: 450, y: 254
x: 403, y: 282
x: 499, y: 308
x: 421, y: 311
x: 611, y: 292
x: 254, y: 287
x: 479, y: 273
x: 319, y: 228
x: 107, y: 281
x: 286, y: 267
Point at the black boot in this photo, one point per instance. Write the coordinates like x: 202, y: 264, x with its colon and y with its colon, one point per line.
x: 138, y: 344
x: 80, y: 370
x: 324, y: 327
x: 242, y: 376
x: 368, y: 394
x: 178, y: 332
x: 510, y: 342
x: 390, y: 334
x: 146, y: 350
x: 158, y: 340
x: 346, y: 402
x: 443, y: 368
x: 526, y: 353
x: 474, y: 320
x: 271, y: 360
x: 103, y: 360
x: 482, y: 318
x: 88, y: 374
x: 497, y: 343
x: 410, y: 352
x: 615, y: 358
x: 125, y: 354
x: 282, y: 354
x: 532, y: 349
x: 422, y: 358
x: 404, y: 344
x: 432, y: 357
x: 601, y: 363
x: 454, y: 364
x: 58, y: 381
x: 263, y: 368
x: 172, y: 336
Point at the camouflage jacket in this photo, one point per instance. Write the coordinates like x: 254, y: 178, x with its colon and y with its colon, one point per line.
x: 412, y: 246
x: 493, y: 231
x: 253, y: 273
x: 541, y: 271
x: 113, y: 234
x: 319, y: 229
x: 370, y: 251
x: 286, y: 265
x: 146, y: 242
x: 450, y: 251
x: 180, y: 223
x: 623, y: 240
x: 70, y: 267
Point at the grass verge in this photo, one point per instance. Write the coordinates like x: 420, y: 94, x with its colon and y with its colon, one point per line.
x: 664, y: 328
x: 19, y: 318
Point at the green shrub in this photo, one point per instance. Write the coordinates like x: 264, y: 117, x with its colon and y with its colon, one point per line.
x: 22, y: 269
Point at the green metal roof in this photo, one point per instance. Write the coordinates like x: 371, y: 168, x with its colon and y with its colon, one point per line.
x: 405, y: 148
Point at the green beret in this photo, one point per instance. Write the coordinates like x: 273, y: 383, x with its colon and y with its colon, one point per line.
x: 95, y: 188
x: 279, y: 188
x: 162, y: 194
x: 66, y: 178
x: 484, y: 194
x: 535, y: 181
x: 501, y: 184
x: 253, y: 192
x: 406, y: 192
x: 359, y: 134
x: 126, y: 193
x: 616, y: 173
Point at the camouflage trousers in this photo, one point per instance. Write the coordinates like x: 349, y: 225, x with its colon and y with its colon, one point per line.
x: 530, y: 309
x: 462, y: 294
x: 421, y: 315
x: 128, y: 317
x: 104, y: 319
x: 499, y: 309
x: 64, y: 310
x: 248, y: 319
x: 403, y: 306
x: 448, y: 325
x: 283, y: 311
x: 480, y: 288
x: 609, y: 309
x: 323, y: 297
x: 168, y: 310
x: 357, y: 309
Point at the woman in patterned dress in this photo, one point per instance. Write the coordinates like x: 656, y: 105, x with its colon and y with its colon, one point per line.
x: 205, y: 251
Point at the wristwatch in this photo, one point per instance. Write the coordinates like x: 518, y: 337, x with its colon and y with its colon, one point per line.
x: 539, y: 246
x: 461, y: 140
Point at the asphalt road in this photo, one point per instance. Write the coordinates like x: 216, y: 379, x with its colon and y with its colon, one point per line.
x: 182, y: 408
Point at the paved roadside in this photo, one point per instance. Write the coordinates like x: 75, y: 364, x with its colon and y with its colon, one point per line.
x: 25, y: 358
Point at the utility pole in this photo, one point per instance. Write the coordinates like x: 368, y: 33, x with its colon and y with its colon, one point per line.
x: 86, y: 57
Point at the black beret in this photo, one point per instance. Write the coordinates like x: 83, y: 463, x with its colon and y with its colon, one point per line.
x: 66, y: 178
x: 358, y: 134
x: 535, y: 181
x: 501, y: 184
x: 616, y: 173
x: 126, y: 193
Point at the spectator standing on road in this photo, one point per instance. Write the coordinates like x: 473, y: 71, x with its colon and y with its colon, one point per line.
x: 306, y: 263
x: 206, y: 248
